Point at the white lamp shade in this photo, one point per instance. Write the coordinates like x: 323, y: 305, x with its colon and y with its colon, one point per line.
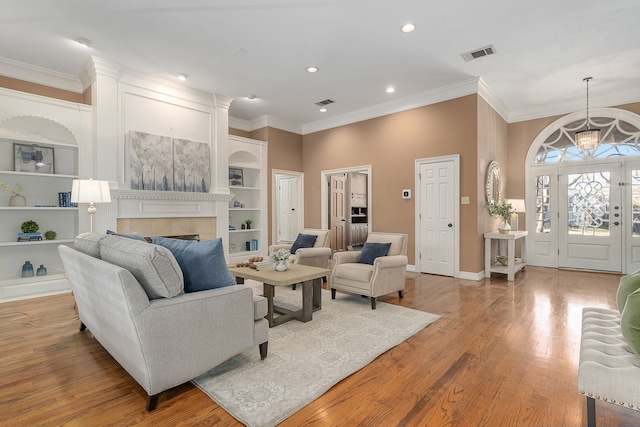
x: 90, y: 191
x: 517, y: 205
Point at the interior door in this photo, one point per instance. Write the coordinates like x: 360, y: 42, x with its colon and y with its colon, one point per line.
x: 590, y: 217
x: 436, y: 211
x: 287, y: 205
x: 631, y: 227
x: 338, y: 215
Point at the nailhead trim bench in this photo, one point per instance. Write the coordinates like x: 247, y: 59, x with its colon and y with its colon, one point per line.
x: 609, y: 370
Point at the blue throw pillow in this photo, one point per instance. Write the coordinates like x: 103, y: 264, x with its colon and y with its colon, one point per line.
x: 371, y: 251
x: 303, y: 241
x: 202, y: 263
x: 133, y: 236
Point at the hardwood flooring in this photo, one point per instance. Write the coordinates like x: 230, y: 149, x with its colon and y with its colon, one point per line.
x: 503, y: 354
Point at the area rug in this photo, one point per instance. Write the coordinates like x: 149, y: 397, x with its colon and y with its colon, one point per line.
x: 307, y: 359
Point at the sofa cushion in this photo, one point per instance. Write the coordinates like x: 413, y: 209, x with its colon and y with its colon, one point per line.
x: 89, y: 243
x: 371, y: 251
x: 630, y: 321
x: 354, y: 272
x: 259, y: 307
x: 202, y: 263
x: 303, y: 241
x: 134, y: 236
x: 155, y: 267
x: 628, y: 285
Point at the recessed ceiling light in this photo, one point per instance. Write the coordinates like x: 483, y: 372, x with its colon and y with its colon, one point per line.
x: 312, y: 69
x: 390, y: 90
x: 83, y: 41
x: 182, y: 77
x: 323, y: 110
x: 251, y: 96
x: 407, y: 28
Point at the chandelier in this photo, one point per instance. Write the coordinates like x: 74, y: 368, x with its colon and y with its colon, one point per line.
x: 587, y: 140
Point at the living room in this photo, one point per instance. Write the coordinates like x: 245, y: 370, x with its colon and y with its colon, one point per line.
x: 466, y: 120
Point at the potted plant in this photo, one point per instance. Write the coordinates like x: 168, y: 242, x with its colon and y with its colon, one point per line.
x: 501, y: 209
x: 50, y: 235
x: 29, y: 226
x: 280, y: 259
x: 16, y: 199
x: 248, y: 222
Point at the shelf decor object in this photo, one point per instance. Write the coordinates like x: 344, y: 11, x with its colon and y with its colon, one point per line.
x: 90, y: 191
x: 32, y: 158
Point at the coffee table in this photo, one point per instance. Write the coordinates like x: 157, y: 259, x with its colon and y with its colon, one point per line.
x: 310, y: 278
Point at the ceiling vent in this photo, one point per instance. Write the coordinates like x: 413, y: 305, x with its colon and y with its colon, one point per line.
x: 479, y: 53
x: 325, y: 102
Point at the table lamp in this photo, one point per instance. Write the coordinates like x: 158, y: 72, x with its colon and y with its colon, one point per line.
x: 518, y: 207
x: 90, y: 191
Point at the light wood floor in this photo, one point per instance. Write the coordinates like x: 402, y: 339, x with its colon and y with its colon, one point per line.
x: 503, y: 354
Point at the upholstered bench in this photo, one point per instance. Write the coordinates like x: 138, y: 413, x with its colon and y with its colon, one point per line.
x: 609, y: 370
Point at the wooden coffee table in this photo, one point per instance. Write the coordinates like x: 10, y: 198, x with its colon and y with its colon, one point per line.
x: 309, y: 277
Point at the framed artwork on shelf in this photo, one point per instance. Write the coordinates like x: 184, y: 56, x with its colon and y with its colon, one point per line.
x: 235, y: 177
x: 32, y: 158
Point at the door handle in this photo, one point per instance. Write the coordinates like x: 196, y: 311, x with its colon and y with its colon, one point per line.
x: 449, y: 225
x: 616, y: 223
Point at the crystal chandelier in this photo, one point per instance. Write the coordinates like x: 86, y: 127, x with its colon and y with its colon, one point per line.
x: 587, y: 140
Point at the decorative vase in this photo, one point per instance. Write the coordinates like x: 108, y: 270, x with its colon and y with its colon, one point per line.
x: 504, y: 227
x: 27, y: 269
x: 282, y: 265
x: 17, y: 200
x: 42, y: 270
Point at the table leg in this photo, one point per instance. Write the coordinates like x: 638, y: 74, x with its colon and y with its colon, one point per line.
x: 307, y: 301
x: 267, y: 291
x: 487, y: 258
x: 511, y: 263
x: 317, y: 294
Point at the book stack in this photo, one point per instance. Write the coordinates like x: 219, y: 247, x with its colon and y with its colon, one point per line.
x: 29, y: 237
x: 64, y: 200
x: 254, y: 244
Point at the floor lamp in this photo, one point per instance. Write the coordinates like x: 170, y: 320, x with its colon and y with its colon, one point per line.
x: 90, y: 191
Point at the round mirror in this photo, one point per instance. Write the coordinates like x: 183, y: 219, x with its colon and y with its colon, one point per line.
x: 492, y: 183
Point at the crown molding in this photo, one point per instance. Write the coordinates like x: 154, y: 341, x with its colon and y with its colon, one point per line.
x: 493, y: 100
x: 239, y: 124
x: 34, y: 74
x: 262, y: 122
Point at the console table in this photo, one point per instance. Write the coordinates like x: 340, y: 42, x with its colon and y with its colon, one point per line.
x: 512, y: 266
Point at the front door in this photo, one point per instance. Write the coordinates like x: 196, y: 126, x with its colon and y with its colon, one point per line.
x: 590, y: 217
x: 436, y: 218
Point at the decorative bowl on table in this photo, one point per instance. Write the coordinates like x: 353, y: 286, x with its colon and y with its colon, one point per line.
x: 503, y: 259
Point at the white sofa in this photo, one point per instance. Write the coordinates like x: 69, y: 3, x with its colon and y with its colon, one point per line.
x: 171, y: 337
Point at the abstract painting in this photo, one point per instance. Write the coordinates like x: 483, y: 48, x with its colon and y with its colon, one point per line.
x: 191, y: 168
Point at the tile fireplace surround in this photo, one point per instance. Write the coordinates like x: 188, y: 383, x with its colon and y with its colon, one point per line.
x: 204, y: 227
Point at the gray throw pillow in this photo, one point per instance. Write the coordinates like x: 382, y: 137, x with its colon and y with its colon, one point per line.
x: 202, y: 263
x: 303, y: 241
x: 371, y: 251
x: 89, y: 243
x: 154, y: 267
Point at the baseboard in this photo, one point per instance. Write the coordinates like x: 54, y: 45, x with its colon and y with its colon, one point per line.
x: 467, y: 275
x: 411, y: 267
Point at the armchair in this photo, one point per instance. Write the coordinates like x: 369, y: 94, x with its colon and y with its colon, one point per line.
x: 387, y: 273
x: 316, y: 256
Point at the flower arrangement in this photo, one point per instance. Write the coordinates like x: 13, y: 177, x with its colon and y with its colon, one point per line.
x: 10, y: 190
x: 280, y: 255
x: 501, y: 209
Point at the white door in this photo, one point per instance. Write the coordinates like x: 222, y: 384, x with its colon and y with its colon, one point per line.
x: 590, y: 217
x: 436, y: 218
x: 338, y: 216
x: 287, y: 225
x: 631, y: 220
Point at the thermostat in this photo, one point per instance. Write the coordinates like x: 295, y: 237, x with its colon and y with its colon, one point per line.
x: 406, y: 194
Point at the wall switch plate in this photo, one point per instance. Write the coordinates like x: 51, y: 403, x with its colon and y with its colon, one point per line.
x: 464, y: 200
x: 406, y: 194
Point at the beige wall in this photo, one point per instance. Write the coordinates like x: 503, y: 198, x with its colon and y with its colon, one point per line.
x: 38, y: 89
x: 391, y: 144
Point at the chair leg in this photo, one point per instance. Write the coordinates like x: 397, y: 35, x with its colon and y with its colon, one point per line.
x: 373, y: 303
x: 263, y: 350
x: 591, y: 412
x: 333, y: 293
x: 152, y: 402
x: 401, y: 294
x: 82, y: 326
